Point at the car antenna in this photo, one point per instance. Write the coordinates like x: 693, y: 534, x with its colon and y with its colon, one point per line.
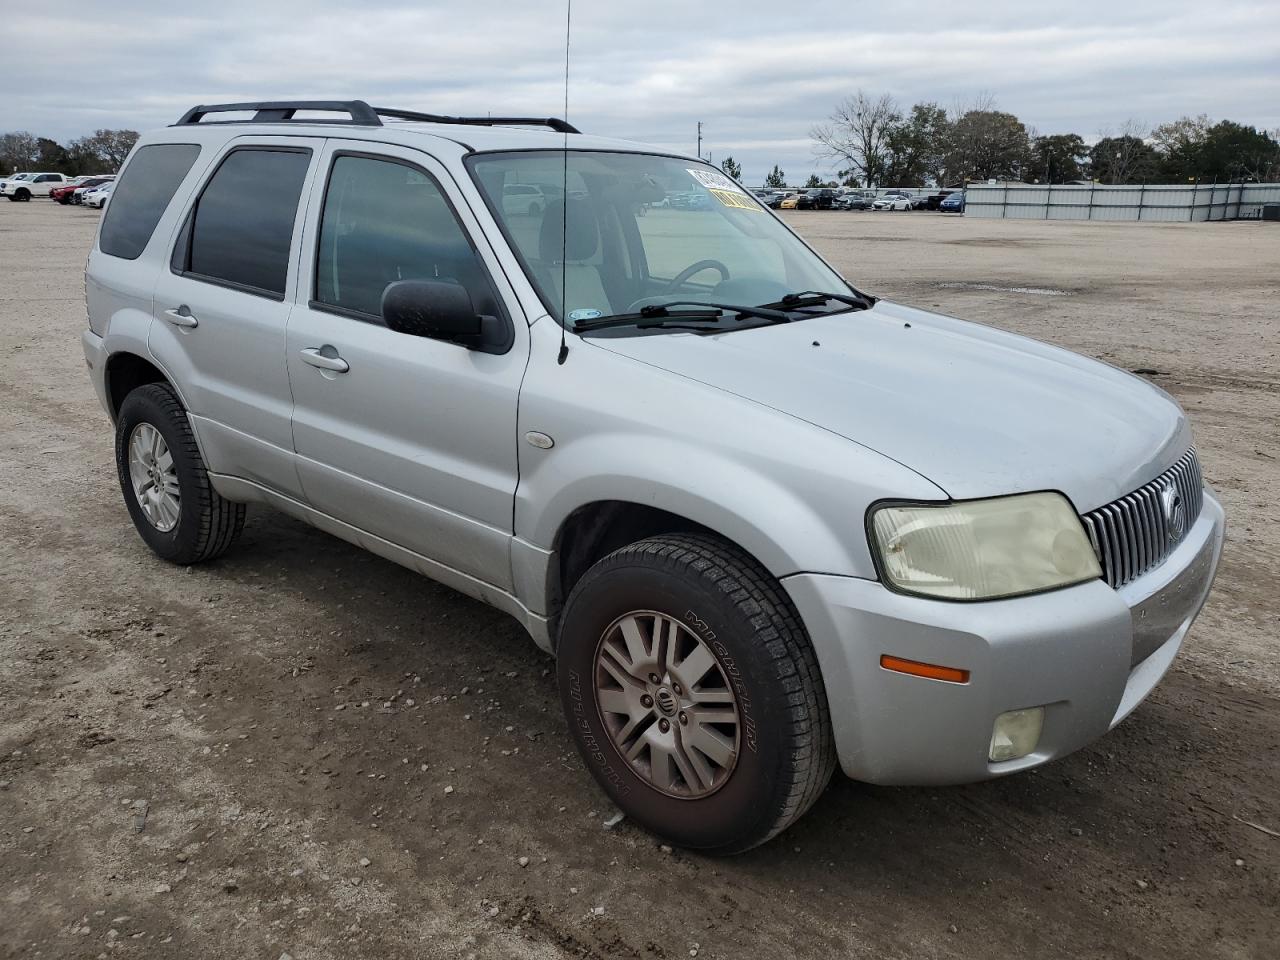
x: 564, y: 195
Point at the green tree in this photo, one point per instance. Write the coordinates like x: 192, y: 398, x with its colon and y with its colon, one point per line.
x: 776, y: 178
x: 1178, y: 143
x: 1233, y: 151
x: 813, y: 181
x: 1123, y: 159
x: 915, y: 146
x: 1058, y: 158
x: 52, y: 156
x: 986, y: 145
x: 732, y: 168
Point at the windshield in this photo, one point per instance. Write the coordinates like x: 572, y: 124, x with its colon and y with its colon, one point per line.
x: 643, y: 230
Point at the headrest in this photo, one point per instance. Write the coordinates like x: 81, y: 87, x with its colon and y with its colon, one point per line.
x: 583, y: 238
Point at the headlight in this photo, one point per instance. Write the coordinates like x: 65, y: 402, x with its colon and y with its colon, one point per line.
x: 983, y: 549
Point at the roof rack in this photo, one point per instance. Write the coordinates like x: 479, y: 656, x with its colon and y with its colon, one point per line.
x: 359, y: 112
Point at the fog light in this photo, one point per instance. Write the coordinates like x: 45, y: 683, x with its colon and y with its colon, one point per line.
x: 1016, y: 733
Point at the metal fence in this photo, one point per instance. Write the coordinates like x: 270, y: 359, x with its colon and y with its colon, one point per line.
x: 1168, y: 202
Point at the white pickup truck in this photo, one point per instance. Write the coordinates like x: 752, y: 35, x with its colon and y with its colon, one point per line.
x: 24, y: 186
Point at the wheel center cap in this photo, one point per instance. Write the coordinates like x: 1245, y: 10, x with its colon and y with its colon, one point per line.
x: 666, y: 701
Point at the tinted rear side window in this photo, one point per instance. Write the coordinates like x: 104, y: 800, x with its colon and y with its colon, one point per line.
x: 242, y: 225
x: 141, y: 195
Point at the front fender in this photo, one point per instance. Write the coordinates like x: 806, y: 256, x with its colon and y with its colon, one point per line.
x: 792, y: 494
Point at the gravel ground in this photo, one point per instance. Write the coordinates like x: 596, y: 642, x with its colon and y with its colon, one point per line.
x: 302, y: 749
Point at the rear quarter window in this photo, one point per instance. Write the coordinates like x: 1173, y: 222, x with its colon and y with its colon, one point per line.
x: 141, y: 195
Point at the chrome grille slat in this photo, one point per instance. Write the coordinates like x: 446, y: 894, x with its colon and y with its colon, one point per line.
x: 1131, y: 535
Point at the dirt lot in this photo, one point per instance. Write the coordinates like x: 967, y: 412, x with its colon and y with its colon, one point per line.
x: 253, y: 757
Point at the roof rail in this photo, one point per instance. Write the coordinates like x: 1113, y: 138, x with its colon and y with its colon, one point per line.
x: 360, y: 113
x: 275, y: 111
x: 555, y: 123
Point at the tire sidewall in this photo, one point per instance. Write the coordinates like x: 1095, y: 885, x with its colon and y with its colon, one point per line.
x: 143, y: 406
x: 741, y: 811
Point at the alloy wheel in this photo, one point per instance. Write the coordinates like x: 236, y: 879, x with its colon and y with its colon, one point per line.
x: 154, y: 477
x: 665, y: 700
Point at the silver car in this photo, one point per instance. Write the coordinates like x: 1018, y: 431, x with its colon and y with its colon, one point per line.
x: 766, y: 523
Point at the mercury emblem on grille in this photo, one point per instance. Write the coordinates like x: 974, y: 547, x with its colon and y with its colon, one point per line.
x: 1175, y: 514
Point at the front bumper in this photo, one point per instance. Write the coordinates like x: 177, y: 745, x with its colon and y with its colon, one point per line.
x: 1088, y: 654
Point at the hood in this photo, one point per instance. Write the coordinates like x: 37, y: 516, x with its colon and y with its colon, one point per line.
x: 978, y: 411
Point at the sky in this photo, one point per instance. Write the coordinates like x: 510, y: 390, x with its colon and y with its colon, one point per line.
x: 646, y: 71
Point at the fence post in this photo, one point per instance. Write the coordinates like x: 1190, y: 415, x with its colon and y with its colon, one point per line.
x: 1142, y: 196
x: 1195, y: 194
x: 1093, y: 185
x: 1004, y: 202
x: 1048, y: 201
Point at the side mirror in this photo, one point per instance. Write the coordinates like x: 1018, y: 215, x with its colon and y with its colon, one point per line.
x: 437, y: 309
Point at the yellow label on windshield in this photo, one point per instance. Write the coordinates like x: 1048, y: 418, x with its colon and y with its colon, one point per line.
x: 735, y: 199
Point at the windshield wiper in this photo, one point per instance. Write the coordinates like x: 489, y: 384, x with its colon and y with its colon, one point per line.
x: 814, y: 298
x: 661, y: 315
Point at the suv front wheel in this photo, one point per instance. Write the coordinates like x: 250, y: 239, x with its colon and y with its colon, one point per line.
x: 164, y: 481
x: 693, y: 693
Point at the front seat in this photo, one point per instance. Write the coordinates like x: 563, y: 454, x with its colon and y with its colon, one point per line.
x: 583, y: 285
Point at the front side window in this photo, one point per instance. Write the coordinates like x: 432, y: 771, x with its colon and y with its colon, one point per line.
x: 241, y: 228
x: 143, y: 191
x: 635, y: 230
x: 385, y: 221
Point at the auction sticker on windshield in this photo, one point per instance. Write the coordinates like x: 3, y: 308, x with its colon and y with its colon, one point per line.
x: 724, y: 189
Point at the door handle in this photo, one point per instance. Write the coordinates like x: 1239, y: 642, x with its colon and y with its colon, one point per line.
x: 313, y: 356
x: 181, y: 317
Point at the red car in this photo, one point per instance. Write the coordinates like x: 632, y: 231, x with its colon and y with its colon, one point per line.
x: 63, y: 194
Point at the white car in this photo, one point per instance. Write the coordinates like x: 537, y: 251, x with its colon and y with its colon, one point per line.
x: 518, y: 198
x: 24, y: 186
x: 892, y: 201
x: 98, y: 196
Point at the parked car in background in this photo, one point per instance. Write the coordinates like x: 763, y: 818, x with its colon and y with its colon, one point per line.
x: 892, y: 201
x: 65, y: 193
x: 792, y: 202
x: 99, y: 196
x: 818, y: 198
x: 952, y: 202
x: 523, y: 198
x: 851, y: 201
x: 919, y: 201
x: 935, y: 199
x: 24, y: 186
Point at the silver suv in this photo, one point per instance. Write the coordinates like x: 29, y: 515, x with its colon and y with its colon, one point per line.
x: 765, y: 522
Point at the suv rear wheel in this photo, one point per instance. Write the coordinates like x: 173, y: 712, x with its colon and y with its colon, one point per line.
x: 693, y: 693
x: 164, y: 481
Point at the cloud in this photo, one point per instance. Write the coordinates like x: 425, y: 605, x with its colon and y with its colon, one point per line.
x: 649, y: 72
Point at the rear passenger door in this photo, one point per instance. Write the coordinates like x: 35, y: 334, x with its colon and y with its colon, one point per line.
x: 410, y: 439
x: 222, y: 302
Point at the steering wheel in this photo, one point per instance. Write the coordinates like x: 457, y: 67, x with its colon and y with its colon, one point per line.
x: 680, y: 278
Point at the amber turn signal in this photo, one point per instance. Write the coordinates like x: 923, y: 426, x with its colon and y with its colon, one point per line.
x: 930, y: 670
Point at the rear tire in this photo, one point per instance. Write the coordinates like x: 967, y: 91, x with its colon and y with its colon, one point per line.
x: 712, y: 604
x: 203, y: 524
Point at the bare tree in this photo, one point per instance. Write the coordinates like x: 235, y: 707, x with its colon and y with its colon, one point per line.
x: 1125, y: 156
x: 856, y: 135
x: 18, y: 151
x: 107, y: 147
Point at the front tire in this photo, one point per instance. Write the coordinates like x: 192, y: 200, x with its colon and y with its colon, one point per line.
x: 23, y: 195
x: 693, y: 693
x: 165, y: 483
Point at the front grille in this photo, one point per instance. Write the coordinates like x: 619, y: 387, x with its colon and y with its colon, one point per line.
x: 1137, y: 532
